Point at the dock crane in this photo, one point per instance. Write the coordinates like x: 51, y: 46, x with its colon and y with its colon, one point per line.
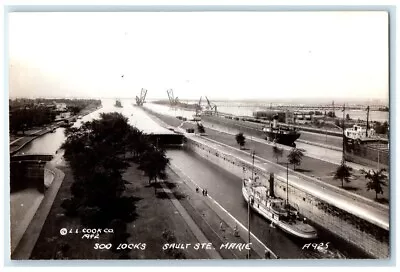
x: 140, y: 100
x: 198, y: 107
x: 172, y: 100
x: 211, y: 106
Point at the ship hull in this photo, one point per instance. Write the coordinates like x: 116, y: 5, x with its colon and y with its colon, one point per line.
x: 281, y: 138
x: 273, y: 219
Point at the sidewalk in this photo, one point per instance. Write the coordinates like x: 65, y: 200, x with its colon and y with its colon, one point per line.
x: 26, y: 244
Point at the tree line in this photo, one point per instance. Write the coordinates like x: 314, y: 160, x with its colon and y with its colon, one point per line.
x: 25, y: 118
x: 98, y: 153
x: 28, y: 113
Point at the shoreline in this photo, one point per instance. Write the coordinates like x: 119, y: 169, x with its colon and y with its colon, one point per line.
x: 40, y: 133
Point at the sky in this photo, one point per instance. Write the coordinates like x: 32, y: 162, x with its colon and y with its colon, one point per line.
x: 235, y: 55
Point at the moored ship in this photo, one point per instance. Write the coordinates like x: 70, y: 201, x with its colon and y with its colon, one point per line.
x: 276, y: 210
x: 118, y: 104
x: 281, y: 134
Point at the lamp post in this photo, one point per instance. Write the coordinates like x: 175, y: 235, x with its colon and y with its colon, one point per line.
x: 248, y: 205
x: 287, y: 183
x: 343, y: 138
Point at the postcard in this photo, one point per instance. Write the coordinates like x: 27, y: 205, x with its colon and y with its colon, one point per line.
x: 199, y: 135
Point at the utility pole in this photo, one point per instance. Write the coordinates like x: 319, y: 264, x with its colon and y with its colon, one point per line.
x: 366, y: 132
x: 378, y: 159
x: 287, y: 183
x: 248, y: 206
x: 343, y: 138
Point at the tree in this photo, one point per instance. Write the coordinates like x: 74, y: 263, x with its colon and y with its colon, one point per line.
x: 154, y: 163
x: 240, y: 139
x: 295, y: 156
x: 343, y: 172
x: 75, y: 109
x: 381, y: 128
x: 94, y: 154
x: 331, y: 114
x: 376, y: 180
x: 278, y: 152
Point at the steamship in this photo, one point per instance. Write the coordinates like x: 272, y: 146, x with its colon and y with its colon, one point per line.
x: 276, y: 210
x: 281, y: 134
x: 118, y: 103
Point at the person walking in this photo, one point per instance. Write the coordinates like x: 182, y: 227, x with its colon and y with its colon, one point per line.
x: 236, y: 231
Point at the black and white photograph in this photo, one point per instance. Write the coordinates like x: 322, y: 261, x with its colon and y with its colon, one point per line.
x: 238, y: 135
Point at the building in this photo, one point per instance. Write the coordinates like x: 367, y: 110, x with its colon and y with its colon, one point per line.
x: 61, y: 106
x: 289, y: 117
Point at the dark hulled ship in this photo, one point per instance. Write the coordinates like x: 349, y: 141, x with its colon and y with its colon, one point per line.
x: 118, y: 104
x: 281, y: 134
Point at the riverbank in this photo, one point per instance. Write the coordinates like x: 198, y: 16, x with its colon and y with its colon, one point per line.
x: 19, y: 142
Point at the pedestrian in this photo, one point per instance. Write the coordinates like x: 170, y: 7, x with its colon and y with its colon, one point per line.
x: 197, y: 189
x: 236, y: 231
x: 220, y: 226
x: 267, y: 254
x: 203, y: 192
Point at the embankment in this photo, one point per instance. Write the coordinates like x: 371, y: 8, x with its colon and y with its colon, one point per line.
x: 372, y: 239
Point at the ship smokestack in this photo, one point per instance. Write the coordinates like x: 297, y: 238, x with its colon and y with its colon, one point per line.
x: 271, y: 185
x: 275, y: 121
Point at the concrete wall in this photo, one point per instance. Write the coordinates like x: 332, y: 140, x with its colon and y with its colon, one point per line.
x: 27, y: 174
x: 370, y: 238
x: 27, y: 171
x: 368, y: 156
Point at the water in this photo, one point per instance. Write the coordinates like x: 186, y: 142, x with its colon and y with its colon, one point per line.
x: 46, y: 144
x: 245, y: 108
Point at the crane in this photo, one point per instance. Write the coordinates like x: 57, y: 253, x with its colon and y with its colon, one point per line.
x: 198, y: 107
x: 211, y: 106
x: 172, y: 100
x: 140, y: 100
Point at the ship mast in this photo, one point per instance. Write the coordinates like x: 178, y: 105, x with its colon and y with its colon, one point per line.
x: 366, y: 133
x: 248, y: 203
x: 343, y: 138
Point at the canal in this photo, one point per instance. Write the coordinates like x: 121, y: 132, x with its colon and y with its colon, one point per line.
x: 223, y: 186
